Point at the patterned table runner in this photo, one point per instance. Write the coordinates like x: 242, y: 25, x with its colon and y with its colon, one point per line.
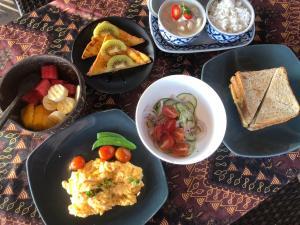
x: 216, y: 191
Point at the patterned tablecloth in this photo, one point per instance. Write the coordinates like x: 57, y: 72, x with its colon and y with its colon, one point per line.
x: 216, y: 191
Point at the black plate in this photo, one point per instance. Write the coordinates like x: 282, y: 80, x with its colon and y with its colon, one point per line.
x: 121, y: 81
x: 271, y: 141
x: 47, y: 166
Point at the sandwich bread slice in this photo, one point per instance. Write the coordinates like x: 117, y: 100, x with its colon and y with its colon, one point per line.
x: 249, y: 89
x: 279, y: 104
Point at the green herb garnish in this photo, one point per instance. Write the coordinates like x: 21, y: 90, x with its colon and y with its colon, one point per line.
x: 134, y: 181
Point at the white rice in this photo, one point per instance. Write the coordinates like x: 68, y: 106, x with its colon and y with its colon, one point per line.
x: 229, y: 15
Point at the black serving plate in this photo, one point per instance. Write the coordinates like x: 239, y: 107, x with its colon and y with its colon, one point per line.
x: 47, y: 167
x: 271, y: 141
x: 116, y: 82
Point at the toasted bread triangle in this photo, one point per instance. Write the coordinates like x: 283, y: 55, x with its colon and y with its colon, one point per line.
x: 279, y: 104
x: 94, y: 45
x: 251, y: 88
x: 100, y: 64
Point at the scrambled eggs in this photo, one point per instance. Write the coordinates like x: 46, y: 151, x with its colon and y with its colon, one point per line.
x: 101, y: 185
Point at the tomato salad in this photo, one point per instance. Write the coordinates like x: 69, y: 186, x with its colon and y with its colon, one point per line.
x: 110, y: 146
x: 173, y: 125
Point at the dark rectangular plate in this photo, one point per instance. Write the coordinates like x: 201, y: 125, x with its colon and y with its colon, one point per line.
x: 271, y: 141
x: 47, y: 167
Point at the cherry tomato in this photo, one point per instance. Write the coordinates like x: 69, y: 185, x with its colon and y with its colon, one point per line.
x: 176, y: 11
x: 158, y: 130
x: 123, y: 154
x: 77, y: 163
x: 169, y: 111
x: 106, y: 152
x: 181, y: 150
x: 170, y: 125
x: 188, y: 16
x: 178, y: 135
x: 167, y: 142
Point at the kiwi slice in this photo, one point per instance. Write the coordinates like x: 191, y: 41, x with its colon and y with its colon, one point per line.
x: 113, y: 47
x: 106, y: 27
x: 119, y: 62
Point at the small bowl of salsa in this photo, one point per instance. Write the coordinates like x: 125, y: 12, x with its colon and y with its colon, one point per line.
x: 181, y: 21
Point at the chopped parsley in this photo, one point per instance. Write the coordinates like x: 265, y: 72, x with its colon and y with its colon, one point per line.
x: 133, y: 181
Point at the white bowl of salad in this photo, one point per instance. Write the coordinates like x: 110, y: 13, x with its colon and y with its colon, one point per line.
x: 181, y: 119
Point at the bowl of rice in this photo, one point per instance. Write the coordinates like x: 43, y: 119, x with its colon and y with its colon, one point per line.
x: 229, y: 19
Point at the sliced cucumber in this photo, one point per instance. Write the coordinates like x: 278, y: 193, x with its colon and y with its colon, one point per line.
x: 190, y: 136
x: 184, y: 111
x: 190, y: 107
x: 187, y: 97
x: 190, y: 124
x: 158, y: 105
x: 170, y: 102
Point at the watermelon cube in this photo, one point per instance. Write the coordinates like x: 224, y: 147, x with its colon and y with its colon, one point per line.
x: 71, y: 88
x: 56, y: 82
x: 32, y: 97
x: 49, y: 72
x: 43, y: 87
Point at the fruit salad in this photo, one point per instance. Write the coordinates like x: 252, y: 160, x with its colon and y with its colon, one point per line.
x: 173, y: 125
x: 49, y: 102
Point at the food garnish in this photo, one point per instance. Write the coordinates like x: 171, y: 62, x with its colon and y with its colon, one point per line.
x: 123, y: 155
x: 78, y: 162
x: 114, y: 140
x: 176, y: 11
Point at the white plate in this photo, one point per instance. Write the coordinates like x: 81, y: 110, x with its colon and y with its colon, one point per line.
x: 201, y: 44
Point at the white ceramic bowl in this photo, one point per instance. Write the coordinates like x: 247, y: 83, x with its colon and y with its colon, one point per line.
x: 227, y: 37
x: 173, y: 38
x: 210, y: 111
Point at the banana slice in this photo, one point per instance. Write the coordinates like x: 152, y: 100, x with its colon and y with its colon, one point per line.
x: 57, y: 93
x: 77, y: 95
x: 56, y: 117
x: 49, y: 104
x: 66, y: 106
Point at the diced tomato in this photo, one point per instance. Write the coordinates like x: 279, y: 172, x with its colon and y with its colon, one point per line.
x: 188, y: 16
x: 56, y: 82
x: 43, y: 87
x: 167, y: 142
x: 169, y: 111
x: 170, y: 125
x: 181, y: 150
x: 175, y: 11
x: 71, y: 88
x: 106, y: 152
x: 32, y: 97
x: 77, y: 163
x: 178, y: 135
x: 158, y: 131
x: 49, y: 72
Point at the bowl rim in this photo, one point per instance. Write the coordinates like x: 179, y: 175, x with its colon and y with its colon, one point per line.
x: 185, y: 160
x: 252, y: 20
x: 195, y: 2
x: 81, y: 84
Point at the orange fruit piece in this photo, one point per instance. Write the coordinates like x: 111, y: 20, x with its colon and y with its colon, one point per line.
x: 27, y: 115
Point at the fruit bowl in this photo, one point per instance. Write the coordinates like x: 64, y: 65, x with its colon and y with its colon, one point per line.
x: 32, y: 65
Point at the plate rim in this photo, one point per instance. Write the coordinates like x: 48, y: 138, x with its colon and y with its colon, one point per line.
x: 194, y: 51
x: 165, y: 191
x: 229, y: 52
x: 150, y: 42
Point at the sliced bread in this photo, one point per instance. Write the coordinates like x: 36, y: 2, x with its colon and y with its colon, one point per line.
x: 279, y: 104
x: 251, y: 87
